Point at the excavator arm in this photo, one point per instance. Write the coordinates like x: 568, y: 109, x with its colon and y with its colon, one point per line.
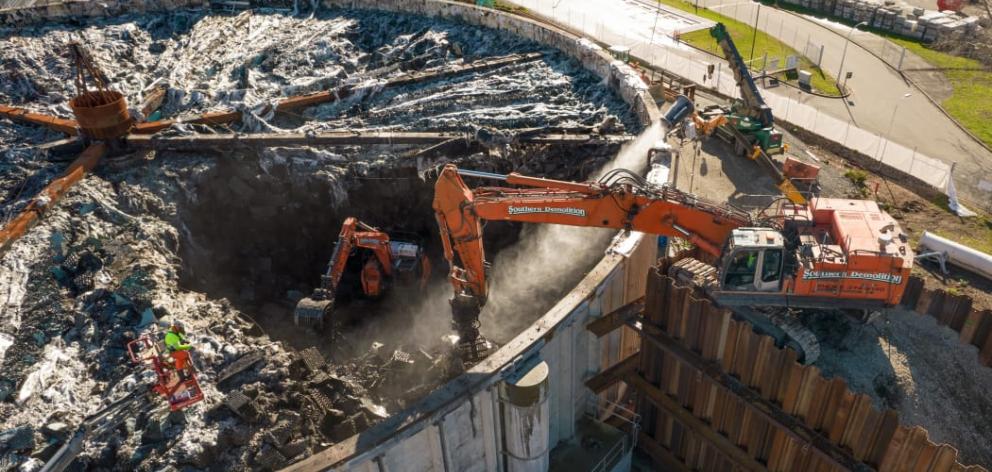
x: 620, y: 200
x: 350, y: 237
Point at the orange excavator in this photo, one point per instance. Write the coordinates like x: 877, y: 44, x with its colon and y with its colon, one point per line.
x: 826, y: 254
x: 383, y: 262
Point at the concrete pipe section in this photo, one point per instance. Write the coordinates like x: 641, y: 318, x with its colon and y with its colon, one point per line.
x: 526, y: 419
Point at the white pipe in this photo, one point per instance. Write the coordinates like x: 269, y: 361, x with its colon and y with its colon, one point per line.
x: 526, y: 421
x: 959, y: 254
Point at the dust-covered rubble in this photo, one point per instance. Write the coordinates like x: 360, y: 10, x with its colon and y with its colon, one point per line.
x: 103, y: 269
x: 227, y: 241
x: 246, y: 61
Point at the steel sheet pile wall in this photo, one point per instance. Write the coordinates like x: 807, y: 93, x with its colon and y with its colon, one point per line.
x: 717, y: 396
x: 954, y: 311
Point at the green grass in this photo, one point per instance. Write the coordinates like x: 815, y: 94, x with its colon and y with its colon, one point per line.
x: 977, y: 235
x: 745, y: 38
x: 971, y: 102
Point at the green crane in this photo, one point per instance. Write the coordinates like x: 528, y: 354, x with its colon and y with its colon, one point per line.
x: 749, y: 120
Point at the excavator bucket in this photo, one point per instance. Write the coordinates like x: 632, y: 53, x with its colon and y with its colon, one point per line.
x: 312, y: 312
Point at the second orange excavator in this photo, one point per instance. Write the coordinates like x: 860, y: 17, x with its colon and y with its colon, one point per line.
x: 828, y: 253
x: 380, y: 262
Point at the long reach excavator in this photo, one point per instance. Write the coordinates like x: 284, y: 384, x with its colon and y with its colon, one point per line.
x: 827, y: 254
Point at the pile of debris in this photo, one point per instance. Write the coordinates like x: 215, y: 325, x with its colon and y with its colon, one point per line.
x: 102, y: 270
x: 248, y: 61
x: 129, y: 248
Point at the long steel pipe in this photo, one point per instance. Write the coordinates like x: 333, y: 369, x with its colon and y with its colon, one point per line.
x: 50, y: 195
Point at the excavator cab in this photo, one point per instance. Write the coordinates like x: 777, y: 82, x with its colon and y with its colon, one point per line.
x: 752, y: 261
x: 411, y: 266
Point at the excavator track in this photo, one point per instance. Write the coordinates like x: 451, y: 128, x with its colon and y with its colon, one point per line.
x: 785, y: 328
x: 694, y: 272
x: 778, y: 323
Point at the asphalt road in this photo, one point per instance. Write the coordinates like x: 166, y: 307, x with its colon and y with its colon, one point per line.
x: 881, y: 102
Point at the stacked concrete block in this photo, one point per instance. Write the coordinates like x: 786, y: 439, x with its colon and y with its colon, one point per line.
x: 895, y: 16
x: 936, y: 24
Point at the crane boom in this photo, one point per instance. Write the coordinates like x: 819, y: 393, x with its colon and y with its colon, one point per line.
x: 755, y: 105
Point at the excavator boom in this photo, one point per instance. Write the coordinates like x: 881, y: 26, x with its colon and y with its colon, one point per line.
x: 620, y: 200
x: 753, y: 102
x: 829, y: 252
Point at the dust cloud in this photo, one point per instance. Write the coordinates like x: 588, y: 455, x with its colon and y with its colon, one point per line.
x: 549, y: 260
x: 527, y: 278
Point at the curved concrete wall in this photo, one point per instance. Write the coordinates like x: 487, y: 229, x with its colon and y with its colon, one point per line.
x: 458, y: 426
x: 24, y: 12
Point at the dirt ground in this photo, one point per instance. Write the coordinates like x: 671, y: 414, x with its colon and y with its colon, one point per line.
x: 905, y: 361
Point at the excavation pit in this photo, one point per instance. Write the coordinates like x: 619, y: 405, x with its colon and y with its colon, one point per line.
x: 226, y: 237
x: 260, y: 228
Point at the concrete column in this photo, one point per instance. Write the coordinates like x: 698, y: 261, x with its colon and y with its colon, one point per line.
x: 526, y: 421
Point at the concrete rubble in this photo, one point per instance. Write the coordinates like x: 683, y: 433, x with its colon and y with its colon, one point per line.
x: 227, y: 242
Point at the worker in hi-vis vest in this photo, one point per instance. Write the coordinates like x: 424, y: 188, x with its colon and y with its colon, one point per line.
x: 175, y: 342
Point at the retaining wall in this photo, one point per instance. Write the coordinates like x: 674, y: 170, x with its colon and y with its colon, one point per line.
x: 457, y: 427
x: 29, y: 12
x: 719, y: 396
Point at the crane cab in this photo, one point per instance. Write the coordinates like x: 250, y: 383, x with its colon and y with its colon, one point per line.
x: 752, y: 261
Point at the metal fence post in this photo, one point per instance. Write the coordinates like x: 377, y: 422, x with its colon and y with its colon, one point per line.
x: 819, y: 61
x: 719, y: 70
x: 903, y: 56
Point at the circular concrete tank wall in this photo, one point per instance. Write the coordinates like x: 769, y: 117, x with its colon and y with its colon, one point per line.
x: 193, y: 230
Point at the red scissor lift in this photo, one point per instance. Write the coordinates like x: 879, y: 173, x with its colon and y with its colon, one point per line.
x: 180, y: 388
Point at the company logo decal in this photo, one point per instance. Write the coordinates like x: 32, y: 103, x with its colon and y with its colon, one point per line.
x: 524, y: 210
x: 873, y: 276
